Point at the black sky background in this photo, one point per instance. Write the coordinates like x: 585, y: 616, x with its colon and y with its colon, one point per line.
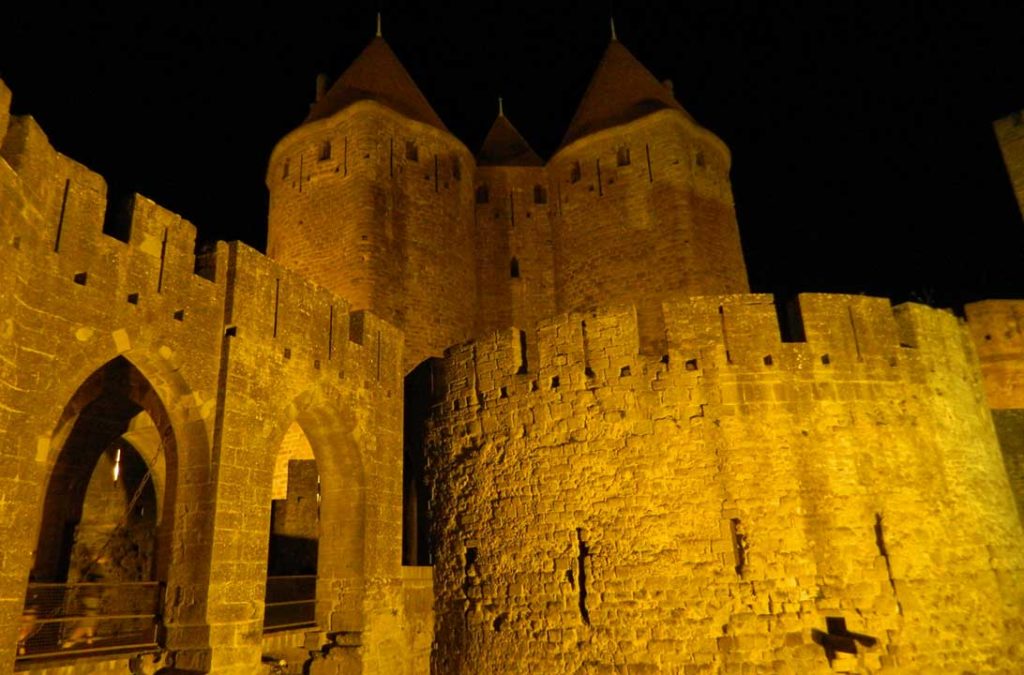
x: 863, y: 154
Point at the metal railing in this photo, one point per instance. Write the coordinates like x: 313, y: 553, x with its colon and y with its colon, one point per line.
x: 290, y: 602
x: 89, y: 618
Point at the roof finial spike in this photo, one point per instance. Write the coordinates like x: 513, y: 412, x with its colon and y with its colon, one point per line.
x: 378, y: 24
x: 501, y: 108
x: 615, y: 38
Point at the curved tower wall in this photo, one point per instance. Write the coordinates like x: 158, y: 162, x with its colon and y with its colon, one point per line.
x: 998, y: 335
x: 663, y: 222
x: 714, y: 508
x: 385, y: 220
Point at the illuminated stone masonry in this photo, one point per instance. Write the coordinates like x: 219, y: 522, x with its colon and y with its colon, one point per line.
x: 722, y: 503
x: 220, y: 461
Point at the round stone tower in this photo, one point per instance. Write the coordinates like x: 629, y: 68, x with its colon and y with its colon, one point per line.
x: 644, y: 201
x: 372, y: 198
x: 740, y: 505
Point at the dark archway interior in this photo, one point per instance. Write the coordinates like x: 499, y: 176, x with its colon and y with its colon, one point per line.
x: 295, y: 523
x: 415, y: 493
x: 94, y: 526
x: 294, y: 550
x: 115, y: 539
x: 94, y: 584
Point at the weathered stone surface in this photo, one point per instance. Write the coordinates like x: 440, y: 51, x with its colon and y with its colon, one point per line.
x: 225, y: 353
x: 660, y: 485
x: 710, y: 508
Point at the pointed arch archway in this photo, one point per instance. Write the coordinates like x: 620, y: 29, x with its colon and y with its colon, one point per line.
x: 107, y: 516
x: 290, y: 600
x: 341, y: 526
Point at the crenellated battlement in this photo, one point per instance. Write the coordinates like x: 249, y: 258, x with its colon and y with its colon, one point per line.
x: 57, y: 212
x: 135, y: 265
x: 730, y: 337
x: 688, y: 478
x: 307, y: 324
x: 750, y: 467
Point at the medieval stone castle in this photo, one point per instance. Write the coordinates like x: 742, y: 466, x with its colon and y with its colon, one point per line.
x: 476, y: 414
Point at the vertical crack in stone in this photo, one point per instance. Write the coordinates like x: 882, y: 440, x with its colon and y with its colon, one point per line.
x: 584, y: 551
x: 884, y: 552
x: 739, y: 545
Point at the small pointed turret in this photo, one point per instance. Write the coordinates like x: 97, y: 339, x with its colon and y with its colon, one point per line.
x: 621, y: 90
x: 505, y: 146
x: 377, y: 75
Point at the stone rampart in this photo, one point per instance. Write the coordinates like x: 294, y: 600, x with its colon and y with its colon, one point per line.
x: 230, y: 349
x: 735, y: 500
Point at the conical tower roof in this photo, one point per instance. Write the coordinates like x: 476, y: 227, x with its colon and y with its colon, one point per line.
x: 377, y: 75
x: 505, y: 146
x: 621, y: 90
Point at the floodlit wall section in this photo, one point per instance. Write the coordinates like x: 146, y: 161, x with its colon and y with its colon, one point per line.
x: 237, y: 349
x: 711, y: 506
x: 378, y: 208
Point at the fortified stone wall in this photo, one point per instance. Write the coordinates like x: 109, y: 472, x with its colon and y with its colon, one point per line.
x: 1010, y: 134
x: 732, y: 501
x: 995, y: 327
x: 644, y: 209
x: 515, y: 261
x: 224, y: 352
x: 74, y: 300
x: 378, y: 208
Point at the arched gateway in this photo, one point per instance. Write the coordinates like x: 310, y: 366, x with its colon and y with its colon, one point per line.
x: 103, y: 547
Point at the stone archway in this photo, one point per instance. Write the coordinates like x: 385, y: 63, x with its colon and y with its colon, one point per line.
x: 294, y: 535
x: 107, y: 515
x: 340, y: 564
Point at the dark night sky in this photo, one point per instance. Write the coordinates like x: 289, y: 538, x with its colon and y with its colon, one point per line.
x: 863, y: 152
